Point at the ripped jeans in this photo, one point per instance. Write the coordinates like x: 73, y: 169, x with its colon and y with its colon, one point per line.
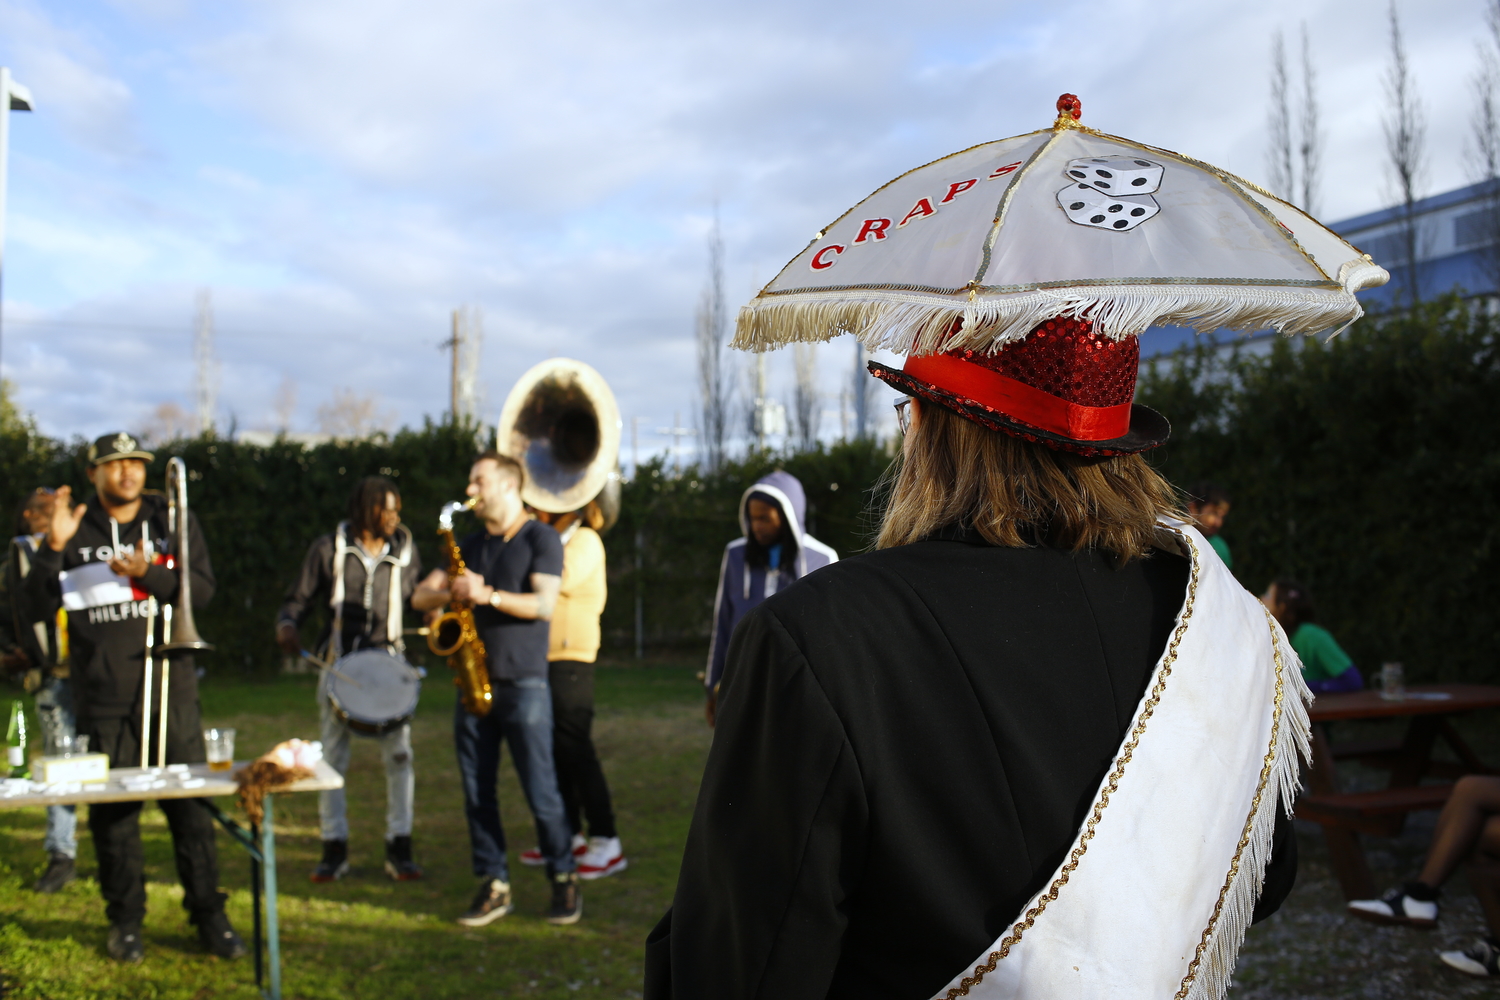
x: 54, y: 711
x: 400, y: 778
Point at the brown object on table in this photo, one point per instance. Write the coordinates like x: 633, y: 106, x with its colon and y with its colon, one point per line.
x: 1345, y: 815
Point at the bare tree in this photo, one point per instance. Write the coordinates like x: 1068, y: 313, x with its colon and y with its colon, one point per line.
x: 1484, y: 145
x: 352, y: 417
x: 805, y: 412
x: 285, y: 403
x: 1405, y: 137
x: 169, y: 422
x: 1279, y: 150
x: 714, y: 388
x: 861, y: 392
x: 1310, y: 149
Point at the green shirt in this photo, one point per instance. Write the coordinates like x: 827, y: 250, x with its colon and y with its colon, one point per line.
x: 1322, y: 658
x: 1222, y: 548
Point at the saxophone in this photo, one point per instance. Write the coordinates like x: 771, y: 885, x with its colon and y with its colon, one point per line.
x: 454, y: 635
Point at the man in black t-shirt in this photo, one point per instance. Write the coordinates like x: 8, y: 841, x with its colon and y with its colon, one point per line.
x: 513, y: 575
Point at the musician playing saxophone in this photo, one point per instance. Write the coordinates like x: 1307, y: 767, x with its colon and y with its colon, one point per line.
x: 106, y: 561
x: 514, y: 571
x: 364, y: 574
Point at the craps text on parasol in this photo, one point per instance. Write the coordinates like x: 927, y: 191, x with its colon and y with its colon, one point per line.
x: 975, y: 250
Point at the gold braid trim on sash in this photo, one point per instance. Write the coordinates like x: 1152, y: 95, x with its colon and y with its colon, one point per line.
x: 1260, y: 790
x: 1111, y: 785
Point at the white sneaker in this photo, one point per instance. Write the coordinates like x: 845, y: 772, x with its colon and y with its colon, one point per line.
x: 1396, y: 907
x: 1482, y: 959
x: 605, y: 856
x: 534, y: 857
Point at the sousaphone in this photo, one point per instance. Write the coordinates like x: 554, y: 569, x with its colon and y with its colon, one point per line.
x: 562, y: 423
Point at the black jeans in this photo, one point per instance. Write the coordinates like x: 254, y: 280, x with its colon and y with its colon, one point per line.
x: 579, y: 776
x: 116, y: 825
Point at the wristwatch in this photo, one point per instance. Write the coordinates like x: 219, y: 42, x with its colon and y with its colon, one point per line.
x: 495, y: 599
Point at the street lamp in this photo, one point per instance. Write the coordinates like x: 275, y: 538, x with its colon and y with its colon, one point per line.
x: 15, y: 97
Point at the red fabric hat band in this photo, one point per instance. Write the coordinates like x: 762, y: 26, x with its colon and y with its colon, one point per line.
x: 1025, y: 403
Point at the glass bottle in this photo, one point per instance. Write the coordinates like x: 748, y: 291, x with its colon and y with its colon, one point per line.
x: 15, y: 740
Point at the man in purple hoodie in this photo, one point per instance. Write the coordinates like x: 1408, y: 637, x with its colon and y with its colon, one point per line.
x: 774, y: 552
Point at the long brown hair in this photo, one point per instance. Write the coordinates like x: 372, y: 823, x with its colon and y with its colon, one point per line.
x: 1016, y: 493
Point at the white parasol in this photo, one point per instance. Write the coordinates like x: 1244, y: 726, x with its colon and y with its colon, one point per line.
x: 1064, y: 222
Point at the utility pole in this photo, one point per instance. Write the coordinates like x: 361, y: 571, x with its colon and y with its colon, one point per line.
x: 463, y: 376
x: 678, y: 432
x: 760, y: 401
x: 13, y: 97
x: 208, y: 369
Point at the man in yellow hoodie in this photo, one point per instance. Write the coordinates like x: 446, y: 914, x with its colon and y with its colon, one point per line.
x: 573, y: 647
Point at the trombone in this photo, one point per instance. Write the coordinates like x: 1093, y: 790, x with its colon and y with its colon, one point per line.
x: 179, y: 631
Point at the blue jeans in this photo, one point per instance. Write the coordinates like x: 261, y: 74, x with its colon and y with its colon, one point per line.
x: 54, y: 710
x: 521, y: 715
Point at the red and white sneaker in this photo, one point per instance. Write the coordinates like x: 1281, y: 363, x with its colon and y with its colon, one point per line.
x: 604, y: 857
x: 534, y: 857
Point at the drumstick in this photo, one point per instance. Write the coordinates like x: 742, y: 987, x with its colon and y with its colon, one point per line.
x: 329, y: 667
x: 146, y: 686
x: 166, y: 680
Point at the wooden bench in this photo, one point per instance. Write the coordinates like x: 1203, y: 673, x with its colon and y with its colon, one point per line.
x: 1380, y: 812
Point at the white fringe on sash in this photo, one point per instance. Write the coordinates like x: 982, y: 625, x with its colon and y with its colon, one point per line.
x: 1290, y: 744
x: 918, y: 322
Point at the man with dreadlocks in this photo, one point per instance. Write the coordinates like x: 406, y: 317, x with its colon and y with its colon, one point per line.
x: 364, y: 573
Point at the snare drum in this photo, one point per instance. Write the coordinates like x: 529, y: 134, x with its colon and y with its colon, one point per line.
x: 373, y: 691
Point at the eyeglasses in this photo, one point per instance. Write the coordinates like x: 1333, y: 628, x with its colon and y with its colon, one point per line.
x: 903, y: 414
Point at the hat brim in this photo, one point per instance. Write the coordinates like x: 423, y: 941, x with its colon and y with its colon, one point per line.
x: 144, y: 456
x: 1148, y: 429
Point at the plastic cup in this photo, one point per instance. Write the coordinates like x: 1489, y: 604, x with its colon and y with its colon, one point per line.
x: 218, y: 745
x: 1392, y: 682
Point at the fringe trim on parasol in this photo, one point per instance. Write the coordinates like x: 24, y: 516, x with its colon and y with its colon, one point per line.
x: 918, y: 323
x: 1292, y: 745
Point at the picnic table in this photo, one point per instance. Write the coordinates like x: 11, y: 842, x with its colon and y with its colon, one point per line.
x: 190, y: 781
x: 1343, y: 815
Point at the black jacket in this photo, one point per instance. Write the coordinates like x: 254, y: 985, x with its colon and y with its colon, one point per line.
x: 107, y: 645
x: 19, y: 628
x: 907, y: 744
x: 362, y: 626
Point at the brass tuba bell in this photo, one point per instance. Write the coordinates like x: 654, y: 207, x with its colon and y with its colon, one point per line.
x: 562, y: 423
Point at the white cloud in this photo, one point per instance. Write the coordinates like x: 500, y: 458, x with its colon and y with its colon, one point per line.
x: 344, y: 173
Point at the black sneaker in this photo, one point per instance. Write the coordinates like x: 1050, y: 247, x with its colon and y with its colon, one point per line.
x: 125, y: 944
x: 1480, y: 959
x: 398, y: 863
x: 60, y: 871
x: 491, y: 902
x: 567, y: 901
x: 335, y: 863
x: 218, y: 937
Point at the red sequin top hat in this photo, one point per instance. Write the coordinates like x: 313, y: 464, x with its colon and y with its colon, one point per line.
x: 1063, y: 385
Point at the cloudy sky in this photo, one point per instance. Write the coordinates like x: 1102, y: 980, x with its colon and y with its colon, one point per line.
x: 340, y: 175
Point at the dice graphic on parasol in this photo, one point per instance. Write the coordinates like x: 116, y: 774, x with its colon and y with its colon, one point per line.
x: 973, y: 251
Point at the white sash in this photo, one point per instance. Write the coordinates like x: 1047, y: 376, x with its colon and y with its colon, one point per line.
x: 1154, y: 898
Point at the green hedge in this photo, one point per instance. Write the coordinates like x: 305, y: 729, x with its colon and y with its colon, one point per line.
x: 1366, y: 466
x: 262, y: 506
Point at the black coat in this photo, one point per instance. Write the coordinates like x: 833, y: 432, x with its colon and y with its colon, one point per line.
x: 907, y: 744
x: 107, y: 646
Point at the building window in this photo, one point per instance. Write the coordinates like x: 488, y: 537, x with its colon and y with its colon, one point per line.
x: 1476, y: 229
x: 1387, y: 250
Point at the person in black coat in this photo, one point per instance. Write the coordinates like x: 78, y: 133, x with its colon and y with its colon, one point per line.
x: 106, y: 560
x: 909, y: 740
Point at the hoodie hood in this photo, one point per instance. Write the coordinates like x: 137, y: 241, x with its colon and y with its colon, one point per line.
x: 786, y: 490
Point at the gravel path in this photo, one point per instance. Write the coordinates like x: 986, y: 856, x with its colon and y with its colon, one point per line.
x: 1310, y: 950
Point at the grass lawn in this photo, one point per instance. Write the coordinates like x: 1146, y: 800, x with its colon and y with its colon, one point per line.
x: 369, y: 937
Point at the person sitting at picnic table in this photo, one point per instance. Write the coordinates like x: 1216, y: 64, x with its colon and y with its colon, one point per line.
x: 1208, y: 505
x: 1325, y: 665
x: 1468, y: 827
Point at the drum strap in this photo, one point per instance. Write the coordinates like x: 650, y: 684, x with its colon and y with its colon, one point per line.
x: 341, y: 552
